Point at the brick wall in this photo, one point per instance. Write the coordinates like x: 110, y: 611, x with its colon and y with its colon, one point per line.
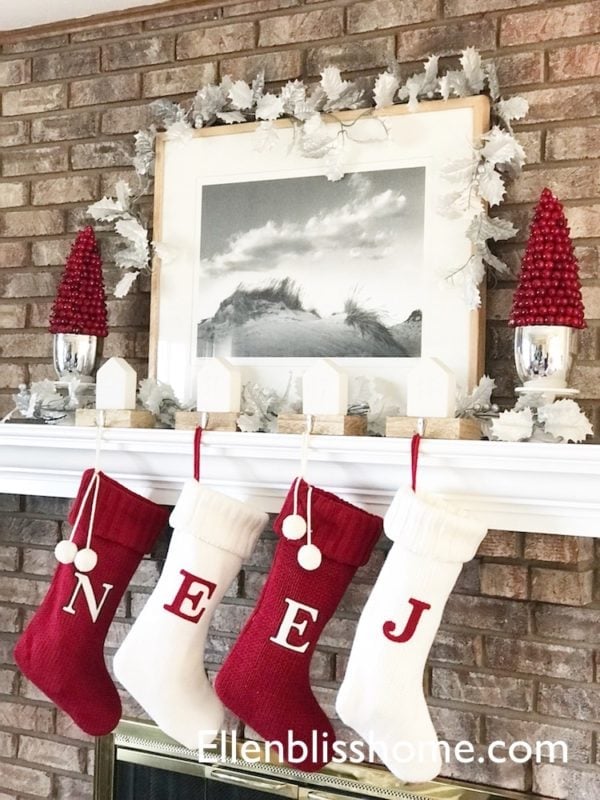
x: 500, y: 668
x: 515, y: 657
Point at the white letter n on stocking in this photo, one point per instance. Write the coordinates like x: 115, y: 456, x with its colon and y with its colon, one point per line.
x: 83, y: 582
x: 290, y: 622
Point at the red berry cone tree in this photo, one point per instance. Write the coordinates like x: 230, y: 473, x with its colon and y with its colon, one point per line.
x: 80, y: 304
x: 549, y: 290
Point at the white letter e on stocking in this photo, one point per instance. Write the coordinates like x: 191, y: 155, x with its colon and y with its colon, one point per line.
x: 290, y: 622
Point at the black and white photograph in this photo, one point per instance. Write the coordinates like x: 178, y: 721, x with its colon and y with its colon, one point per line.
x: 307, y: 267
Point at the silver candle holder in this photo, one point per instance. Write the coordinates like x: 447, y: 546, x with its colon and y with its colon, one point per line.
x: 75, y: 355
x: 544, y: 356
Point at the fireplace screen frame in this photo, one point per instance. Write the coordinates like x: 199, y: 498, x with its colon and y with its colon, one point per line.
x: 145, y: 744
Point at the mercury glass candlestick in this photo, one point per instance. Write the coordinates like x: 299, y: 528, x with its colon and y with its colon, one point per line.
x: 74, y: 355
x: 544, y: 358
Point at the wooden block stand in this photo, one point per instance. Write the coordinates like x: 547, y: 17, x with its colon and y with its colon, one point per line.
x: 215, y: 420
x: 115, y: 418
x: 435, y: 428
x: 324, y: 425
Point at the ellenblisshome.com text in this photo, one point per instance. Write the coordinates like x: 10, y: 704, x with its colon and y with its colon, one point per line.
x: 218, y: 745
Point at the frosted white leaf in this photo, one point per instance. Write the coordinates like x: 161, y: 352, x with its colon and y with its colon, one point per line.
x: 349, y: 98
x: 231, y: 117
x: 511, y: 109
x: 332, y: 83
x: 143, y: 161
x: 482, y: 228
x: 461, y: 170
x: 444, y: 87
x: 470, y: 61
x: 241, y: 95
x: 565, y: 419
x: 452, y: 205
x: 133, y: 230
x: 249, y: 423
x: 334, y: 164
x: 106, y: 210
x: 293, y: 96
x: 491, y: 260
x: 431, y: 73
x: 513, y: 426
x: 385, y: 89
x: 208, y: 101
x: 258, y: 86
x: 501, y: 148
x: 490, y: 184
x: 123, y: 192
x: 226, y: 84
x: 480, y: 396
x: 266, y: 137
x: 491, y: 74
x: 454, y: 83
x: 413, y: 87
x: 125, y: 283
x: 180, y: 131
x: 166, y: 112
x: 269, y: 107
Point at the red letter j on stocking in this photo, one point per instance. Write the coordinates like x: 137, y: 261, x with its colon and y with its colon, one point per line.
x: 418, y: 607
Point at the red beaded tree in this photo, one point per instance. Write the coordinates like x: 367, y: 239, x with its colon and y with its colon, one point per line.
x: 80, y: 304
x: 549, y: 291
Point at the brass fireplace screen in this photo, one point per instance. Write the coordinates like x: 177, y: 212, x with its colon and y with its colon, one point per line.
x: 138, y: 762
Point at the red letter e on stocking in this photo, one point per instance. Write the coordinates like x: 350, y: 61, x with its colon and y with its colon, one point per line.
x: 188, y: 600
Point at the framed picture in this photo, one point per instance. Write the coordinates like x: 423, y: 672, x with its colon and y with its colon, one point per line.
x: 271, y: 264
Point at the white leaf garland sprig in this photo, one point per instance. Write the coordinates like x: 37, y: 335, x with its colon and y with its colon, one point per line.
x: 513, y: 426
x: 565, y: 420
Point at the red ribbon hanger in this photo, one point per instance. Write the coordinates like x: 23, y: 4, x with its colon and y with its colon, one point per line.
x: 197, y: 443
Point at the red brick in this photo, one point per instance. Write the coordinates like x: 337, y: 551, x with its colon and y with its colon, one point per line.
x: 566, y: 783
x: 543, y: 25
x: 446, y: 40
x: 101, y: 154
x: 487, y: 613
x: 576, y: 142
x: 563, y: 549
x: 108, y: 89
x: 567, y: 182
x: 13, y: 254
x: 538, y: 658
x: 14, y: 132
x: 305, y: 26
x: 31, y: 223
x: 48, y: 753
x: 204, y: 42
x: 519, y: 69
x: 568, y: 63
x: 378, y: 14
x: 562, y: 586
x: 456, y: 648
x: 15, y: 72
x: 34, y: 99
x: 506, y: 544
x: 177, y: 80
x: 561, y: 102
x: 71, y: 189
x: 276, y: 66
x: 66, y: 64
x: 34, y: 160
x: 24, y: 779
x: 70, y: 125
x: 574, y: 624
x: 504, y: 580
x: 351, y: 56
x: 127, y: 119
x: 138, y: 52
x: 482, y: 688
x: 459, y: 8
x: 571, y: 702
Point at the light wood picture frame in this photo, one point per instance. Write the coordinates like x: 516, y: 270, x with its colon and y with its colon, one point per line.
x: 221, y: 166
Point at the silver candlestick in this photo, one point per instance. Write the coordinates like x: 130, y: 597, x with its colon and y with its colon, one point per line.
x: 75, y: 355
x: 544, y: 359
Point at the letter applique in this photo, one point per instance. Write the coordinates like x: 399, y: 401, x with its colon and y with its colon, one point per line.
x: 188, y: 600
x: 84, y: 583
x: 290, y: 622
x: 418, y: 607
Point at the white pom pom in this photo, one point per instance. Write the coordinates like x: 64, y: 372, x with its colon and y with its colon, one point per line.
x: 309, y: 557
x: 65, y: 551
x: 294, y: 526
x: 86, y: 560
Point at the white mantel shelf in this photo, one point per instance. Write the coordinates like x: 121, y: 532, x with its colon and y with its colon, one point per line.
x: 534, y: 487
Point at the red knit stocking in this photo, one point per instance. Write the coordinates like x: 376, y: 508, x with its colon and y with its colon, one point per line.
x: 265, y: 679
x: 61, y: 651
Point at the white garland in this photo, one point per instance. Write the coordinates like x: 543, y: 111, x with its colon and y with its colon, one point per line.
x: 497, y: 157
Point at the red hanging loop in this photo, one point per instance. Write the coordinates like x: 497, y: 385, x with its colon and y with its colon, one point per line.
x: 197, y: 443
x: 414, y: 459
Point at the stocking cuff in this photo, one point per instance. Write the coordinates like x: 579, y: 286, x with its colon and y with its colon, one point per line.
x: 122, y: 516
x: 433, y: 527
x: 220, y: 520
x: 341, y: 531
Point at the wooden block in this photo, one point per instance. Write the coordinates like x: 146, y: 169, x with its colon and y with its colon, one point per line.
x: 324, y: 424
x: 215, y: 420
x: 115, y: 418
x: 435, y: 428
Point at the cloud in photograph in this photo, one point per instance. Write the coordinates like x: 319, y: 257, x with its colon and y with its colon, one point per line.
x: 363, y: 228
